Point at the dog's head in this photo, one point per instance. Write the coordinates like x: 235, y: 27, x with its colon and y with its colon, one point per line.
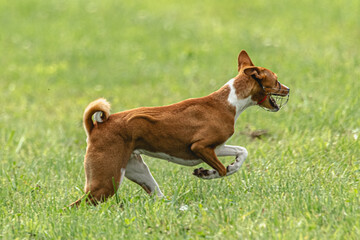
x: 266, y: 90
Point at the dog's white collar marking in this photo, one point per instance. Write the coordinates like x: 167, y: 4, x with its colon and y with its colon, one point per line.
x: 239, y: 104
x: 97, y: 116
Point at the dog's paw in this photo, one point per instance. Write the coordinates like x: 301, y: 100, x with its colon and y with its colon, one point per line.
x: 205, y: 174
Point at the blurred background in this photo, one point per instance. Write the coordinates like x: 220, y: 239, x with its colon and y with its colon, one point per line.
x: 58, y: 55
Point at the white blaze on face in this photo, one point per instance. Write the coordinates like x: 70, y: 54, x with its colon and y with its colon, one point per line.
x: 239, y: 104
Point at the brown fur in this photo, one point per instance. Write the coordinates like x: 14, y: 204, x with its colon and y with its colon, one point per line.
x: 190, y: 129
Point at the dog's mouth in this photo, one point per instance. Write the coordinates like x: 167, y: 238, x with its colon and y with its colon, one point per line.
x: 273, y: 104
x: 277, y: 101
x: 278, y: 97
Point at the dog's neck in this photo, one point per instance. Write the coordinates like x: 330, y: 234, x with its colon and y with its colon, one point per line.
x: 235, y: 100
x: 238, y: 99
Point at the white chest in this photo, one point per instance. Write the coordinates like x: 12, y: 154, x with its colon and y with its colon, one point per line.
x: 239, y: 104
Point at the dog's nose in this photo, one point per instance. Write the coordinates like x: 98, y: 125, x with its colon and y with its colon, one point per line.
x: 287, y: 90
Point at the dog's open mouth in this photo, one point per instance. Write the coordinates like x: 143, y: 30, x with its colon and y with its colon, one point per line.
x: 273, y: 103
x: 278, y: 97
x: 277, y: 101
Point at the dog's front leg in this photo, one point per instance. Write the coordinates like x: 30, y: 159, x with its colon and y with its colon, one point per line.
x: 225, y: 150
x: 207, y: 154
x: 138, y: 172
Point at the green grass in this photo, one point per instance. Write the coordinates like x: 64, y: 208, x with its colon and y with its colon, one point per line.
x: 300, y: 181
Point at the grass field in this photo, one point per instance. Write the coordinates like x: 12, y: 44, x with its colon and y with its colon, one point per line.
x: 300, y: 181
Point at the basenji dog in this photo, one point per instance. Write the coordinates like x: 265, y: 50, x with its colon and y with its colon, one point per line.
x: 188, y: 133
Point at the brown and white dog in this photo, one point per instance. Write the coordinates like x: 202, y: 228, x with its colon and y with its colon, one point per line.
x: 187, y: 133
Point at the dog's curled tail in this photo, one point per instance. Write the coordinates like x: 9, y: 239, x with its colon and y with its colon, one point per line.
x: 100, y: 108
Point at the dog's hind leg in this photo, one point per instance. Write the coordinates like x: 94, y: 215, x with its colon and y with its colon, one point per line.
x: 225, y: 150
x: 138, y: 172
x: 105, y: 175
x: 104, y: 171
x: 240, y: 154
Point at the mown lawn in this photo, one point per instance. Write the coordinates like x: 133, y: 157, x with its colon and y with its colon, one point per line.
x: 301, y: 179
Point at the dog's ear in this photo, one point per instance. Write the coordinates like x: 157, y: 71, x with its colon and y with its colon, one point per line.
x: 253, y: 72
x: 244, y: 60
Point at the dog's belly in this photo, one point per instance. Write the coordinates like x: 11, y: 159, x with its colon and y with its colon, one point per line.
x: 185, y: 162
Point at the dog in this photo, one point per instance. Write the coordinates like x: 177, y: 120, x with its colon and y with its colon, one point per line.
x: 190, y: 132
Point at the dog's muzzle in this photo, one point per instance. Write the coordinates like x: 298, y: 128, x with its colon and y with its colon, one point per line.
x: 277, y: 99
